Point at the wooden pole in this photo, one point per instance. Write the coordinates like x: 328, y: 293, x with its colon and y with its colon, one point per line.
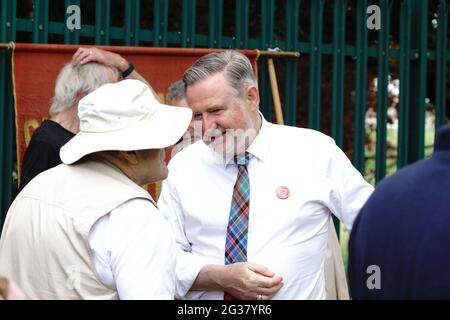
x: 275, y: 93
x: 280, y: 54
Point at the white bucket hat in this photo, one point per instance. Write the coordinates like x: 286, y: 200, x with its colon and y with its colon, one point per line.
x: 124, y: 116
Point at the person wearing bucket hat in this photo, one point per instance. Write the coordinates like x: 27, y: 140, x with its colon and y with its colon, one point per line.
x: 86, y: 229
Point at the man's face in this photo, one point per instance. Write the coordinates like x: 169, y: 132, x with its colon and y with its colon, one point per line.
x: 151, y: 166
x: 228, y: 123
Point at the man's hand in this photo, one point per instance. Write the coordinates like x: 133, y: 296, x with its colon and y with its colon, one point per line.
x: 251, y: 281
x: 242, y: 280
x: 110, y: 59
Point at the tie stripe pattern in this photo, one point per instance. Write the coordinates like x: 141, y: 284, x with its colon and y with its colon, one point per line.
x: 237, y: 230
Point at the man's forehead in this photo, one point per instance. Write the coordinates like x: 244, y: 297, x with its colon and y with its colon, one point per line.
x: 213, y: 81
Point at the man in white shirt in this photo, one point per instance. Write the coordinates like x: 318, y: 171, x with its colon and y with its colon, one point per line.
x: 255, y: 226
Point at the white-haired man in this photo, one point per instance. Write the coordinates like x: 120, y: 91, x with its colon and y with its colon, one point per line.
x: 89, y: 69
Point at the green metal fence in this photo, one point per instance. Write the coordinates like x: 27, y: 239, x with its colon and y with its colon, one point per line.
x: 264, y: 24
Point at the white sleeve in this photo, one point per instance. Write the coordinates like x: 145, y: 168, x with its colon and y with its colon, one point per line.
x: 142, y: 251
x: 188, y: 266
x: 349, y: 189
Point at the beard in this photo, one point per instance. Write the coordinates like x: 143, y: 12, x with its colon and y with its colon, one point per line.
x: 229, y: 142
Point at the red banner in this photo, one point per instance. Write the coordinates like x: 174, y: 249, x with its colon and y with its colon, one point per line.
x: 35, y: 67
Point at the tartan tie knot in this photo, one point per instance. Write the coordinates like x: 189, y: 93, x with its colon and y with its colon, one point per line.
x: 242, y: 159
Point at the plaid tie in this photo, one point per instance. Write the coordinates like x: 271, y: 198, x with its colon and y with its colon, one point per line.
x: 236, y: 243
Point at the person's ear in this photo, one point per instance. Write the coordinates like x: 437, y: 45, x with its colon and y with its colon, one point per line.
x: 252, y: 97
x: 130, y: 157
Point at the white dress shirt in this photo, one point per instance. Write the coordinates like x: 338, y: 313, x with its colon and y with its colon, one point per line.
x: 133, y: 250
x: 288, y: 236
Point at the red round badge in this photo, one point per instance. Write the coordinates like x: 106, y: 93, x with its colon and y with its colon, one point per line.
x: 283, y: 192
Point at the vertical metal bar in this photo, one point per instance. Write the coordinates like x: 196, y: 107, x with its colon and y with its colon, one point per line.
x: 337, y: 125
x: 441, y: 63
x: 74, y: 35
x: 3, y: 19
x: 215, y: 23
x: 361, y: 86
x: 418, y: 80
x: 98, y: 21
x: 160, y: 17
x: 9, y: 136
x: 3, y: 141
x: 267, y: 23
x: 102, y: 22
x: 128, y: 22
x: 40, y: 23
x: 382, y: 91
x: 315, y: 64
x: 242, y: 15
x: 163, y: 20
x: 238, y: 24
x: 106, y: 22
x: 3, y: 174
x: 405, y: 60
x: 136, y: 25
x: 219, y: 22
x: 12, y: 20
x: 291, y: 70
x: 156, y: 22
x: 8, y: 21
x: 267, y: 27
x: 36, y: 20
x: 7, y: 123
x: 44, y: 22
x: 131, y: 27
x: 188, y: 24
x: 6, y: 134
x: 212, y: 11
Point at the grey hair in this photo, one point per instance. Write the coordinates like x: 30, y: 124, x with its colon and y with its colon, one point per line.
x: 176, y: 91
x: 237, y: 67
x: 75, y: 79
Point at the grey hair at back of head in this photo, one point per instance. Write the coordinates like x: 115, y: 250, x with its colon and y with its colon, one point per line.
x: 237, y: 67
x: 74, y: 80
x: 176, y: 91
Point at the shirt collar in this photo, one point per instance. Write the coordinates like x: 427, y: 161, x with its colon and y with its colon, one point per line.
x: 260, y: 146
x: 258, y: 149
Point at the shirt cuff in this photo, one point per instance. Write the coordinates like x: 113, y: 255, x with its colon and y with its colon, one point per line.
x: 188, y: 267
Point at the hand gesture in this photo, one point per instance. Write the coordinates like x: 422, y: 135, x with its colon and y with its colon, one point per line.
x: 250, y: 281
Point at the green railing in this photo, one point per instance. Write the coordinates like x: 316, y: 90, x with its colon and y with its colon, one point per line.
x: 264, y: 24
